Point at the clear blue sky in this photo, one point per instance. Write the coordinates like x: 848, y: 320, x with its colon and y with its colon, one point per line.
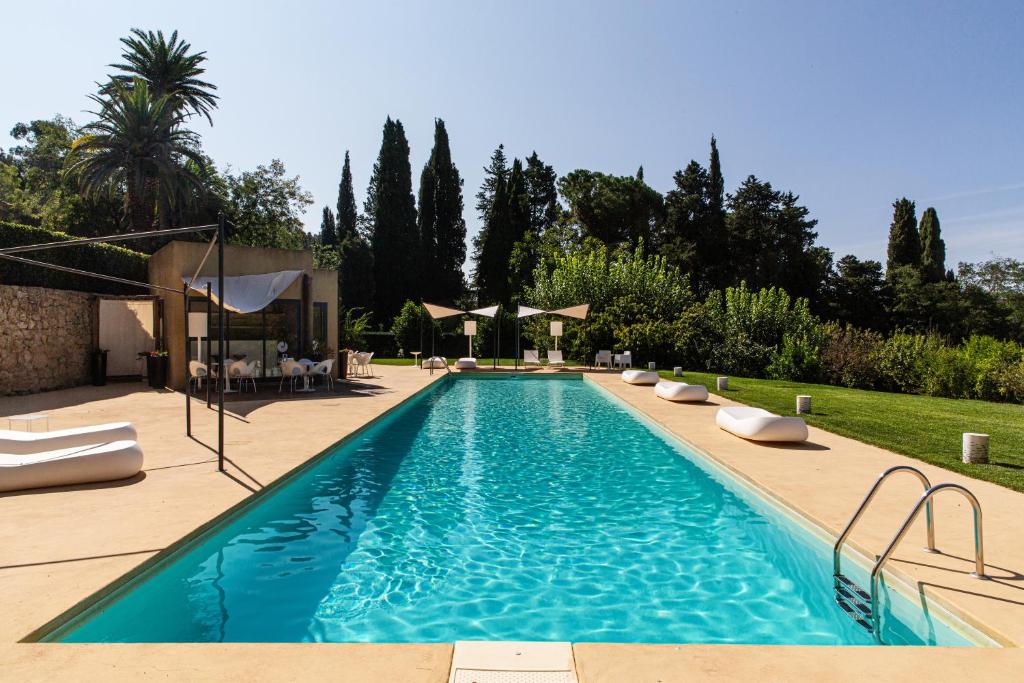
x: 850, y: 105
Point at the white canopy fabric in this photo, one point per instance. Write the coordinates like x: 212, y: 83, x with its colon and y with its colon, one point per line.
x: 247, y: 293
x: 436, y: 311
x: 526, y: 311
x: 489, y: 311
x: 580, y: 311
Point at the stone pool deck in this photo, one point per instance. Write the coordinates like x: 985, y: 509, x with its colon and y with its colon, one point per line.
x: 59, y: 546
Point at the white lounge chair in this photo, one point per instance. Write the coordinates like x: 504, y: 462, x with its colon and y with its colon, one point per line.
x: 67, y: 466
x: 531, y: 357
x: 680, y: 391
x: 465, y: 364
x: 758, y: 424
x: 20, y: 443
x: 555, y: 359
x: 644, y: 377
x: 435, y: 362
x: 603, y: 358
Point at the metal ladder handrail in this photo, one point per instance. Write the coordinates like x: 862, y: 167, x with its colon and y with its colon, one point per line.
x: 925, y: 500
x: 837, y: 548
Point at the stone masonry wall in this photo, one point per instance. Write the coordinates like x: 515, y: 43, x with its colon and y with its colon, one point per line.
x: 45, y: 339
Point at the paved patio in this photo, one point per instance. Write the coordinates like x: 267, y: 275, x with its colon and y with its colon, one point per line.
x: 59, y: 546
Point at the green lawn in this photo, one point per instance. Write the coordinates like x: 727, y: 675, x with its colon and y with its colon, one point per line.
x: 923, y: 427
x: 482, y: 362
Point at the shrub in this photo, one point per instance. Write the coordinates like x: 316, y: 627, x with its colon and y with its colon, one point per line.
x: 903, y: 361
x: 849, y: 356
x: 798, y: 359
x: 105, y: 259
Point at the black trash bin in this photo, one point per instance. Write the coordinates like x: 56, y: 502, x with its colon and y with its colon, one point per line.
x: 99, y: 368
x: 156, y: 371
x: 342, y: 364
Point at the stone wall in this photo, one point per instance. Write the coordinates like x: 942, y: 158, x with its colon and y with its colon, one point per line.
x: 46, y: 339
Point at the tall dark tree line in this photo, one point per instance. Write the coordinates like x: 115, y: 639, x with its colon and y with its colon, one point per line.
x: 441, y: 224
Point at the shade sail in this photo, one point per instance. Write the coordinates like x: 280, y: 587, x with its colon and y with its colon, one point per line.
x: 580, y: 311
x: 489, y: 311
x: 436, y: 311
x: 526, y: 311
x: 247, y: 293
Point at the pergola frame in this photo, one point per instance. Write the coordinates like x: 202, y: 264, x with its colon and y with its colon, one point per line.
x: 218, y: 239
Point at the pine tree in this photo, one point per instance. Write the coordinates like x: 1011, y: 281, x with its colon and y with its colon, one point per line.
x: 442, y: 226
x: 683, y: 242
x: 328, y: 229
x: 640, y: 173
x: 933, y: 248
x: 394, y: 238
x: 493, y: 244
x: 541, y: 186
x: 347, y: 212
x: 904, y: 240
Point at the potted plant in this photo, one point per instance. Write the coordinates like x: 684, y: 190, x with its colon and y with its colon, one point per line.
x: 156, y: 368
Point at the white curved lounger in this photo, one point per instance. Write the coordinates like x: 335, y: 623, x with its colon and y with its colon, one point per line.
x: 680, y: 391
x: 435, y: 362
x: 66, y: 466
x: 465, y: 364
x: 37, y: 442
x: 758, y: 424
x: 644, y: 377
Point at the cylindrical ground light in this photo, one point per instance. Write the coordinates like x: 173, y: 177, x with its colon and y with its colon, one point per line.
x: 975, y: 449
x: 803, y: 405
x: 677, y: 371
x: 723, y: 384
x: 651, y: 365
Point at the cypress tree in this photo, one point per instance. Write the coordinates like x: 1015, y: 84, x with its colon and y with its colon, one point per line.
x: 640, y: 173
x: 328, y: 229
x: 715, y: 240
x: 493, y: 244
x: 442, y: 226
x: 543, y: 194
x: 904, y: 240
x: 347, y: 213
x: 933, y: 248
x: 394, y: 238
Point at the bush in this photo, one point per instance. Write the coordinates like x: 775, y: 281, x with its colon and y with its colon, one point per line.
x: 903, y: 361
x: 798, y: 359
x: 105, y: 259
x: 849, y: 356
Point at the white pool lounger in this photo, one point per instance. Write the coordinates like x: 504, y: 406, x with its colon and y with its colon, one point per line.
x: 435, y: 362
x: 13, y: 442
x: 643, y: 377
x: 680, y: 391
x: 75, y: 465
x: 465, y: 364
x: 758, y: 424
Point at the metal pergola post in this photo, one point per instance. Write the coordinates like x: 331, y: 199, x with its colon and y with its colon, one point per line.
x: 188, y: 362
x: 222, y: 374
x: 209, y: 346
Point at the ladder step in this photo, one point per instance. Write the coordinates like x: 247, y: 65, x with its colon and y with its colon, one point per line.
x: 845, y: 581
x: 855, y: 614
x: 853, y: 600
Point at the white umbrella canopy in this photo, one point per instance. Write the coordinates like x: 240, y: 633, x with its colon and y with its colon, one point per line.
x: 526, y: 311
x: 489, y: 311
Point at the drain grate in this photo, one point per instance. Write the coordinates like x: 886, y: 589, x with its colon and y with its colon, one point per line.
x: 479, y: 676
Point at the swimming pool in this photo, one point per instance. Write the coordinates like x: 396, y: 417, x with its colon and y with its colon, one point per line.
x: 508, y: 508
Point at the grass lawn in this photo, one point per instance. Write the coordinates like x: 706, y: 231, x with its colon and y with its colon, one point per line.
x: 481, y: 362
x: 922, y: 427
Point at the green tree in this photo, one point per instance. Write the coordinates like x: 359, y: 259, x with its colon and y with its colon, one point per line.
x: 684, y: 240
x: 493, y: 244
x: 857, y: 294
x: 265, y: 207
x: 544, y: 212
x: 168, y: 69
x: 933, y: 248
x: 394, y: 238
x: 347, y: 214
x: 613, y: 209
x: 904, y: 240
x: 328, y: 229
x: 441, y: 224
x: 138, y: 143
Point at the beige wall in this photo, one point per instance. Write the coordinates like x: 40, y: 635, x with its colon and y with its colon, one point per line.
x: 180, y: 259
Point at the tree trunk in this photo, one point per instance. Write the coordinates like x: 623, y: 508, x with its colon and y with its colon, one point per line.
x: 141, y: 202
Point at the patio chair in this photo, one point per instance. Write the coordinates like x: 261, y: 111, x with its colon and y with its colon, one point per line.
x: 624, y: 360
x: 603, y: 357
x: 323, y: 369
x: 364, y: 364
x: 531, y: 357
x: 555, y: 359
x: 243, y: 372
x: 197, y: 372
x: 290, y: 370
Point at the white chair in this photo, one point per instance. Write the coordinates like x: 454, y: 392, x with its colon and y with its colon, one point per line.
x: 243, y: 372
x: 197, y: 372
x: 624, y: 360
x: 364, y: 364
x: 323, y: 369
x: 290, y: 370
x: 555, y: 359
x: 757, y: 424
x: 603, y: 358
x: 531, y: 357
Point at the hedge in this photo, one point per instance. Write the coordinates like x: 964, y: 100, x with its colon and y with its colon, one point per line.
x: 106, y: 259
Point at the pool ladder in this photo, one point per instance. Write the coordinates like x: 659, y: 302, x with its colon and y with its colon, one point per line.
x: 862, y: 605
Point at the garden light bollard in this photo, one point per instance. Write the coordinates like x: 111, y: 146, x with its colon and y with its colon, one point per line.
x: 723, y: 384
x: 651, y: 365
x: 975, y: 451
x: 677, y: 371
x: 803, y: 405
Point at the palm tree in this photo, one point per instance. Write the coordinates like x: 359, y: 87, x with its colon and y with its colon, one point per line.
x: 168, y: 69
x: 137, y: 144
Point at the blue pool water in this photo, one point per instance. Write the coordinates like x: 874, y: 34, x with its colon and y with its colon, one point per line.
x: 504, y: 509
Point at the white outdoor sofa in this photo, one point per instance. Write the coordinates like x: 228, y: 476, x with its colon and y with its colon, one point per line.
x: 81, y: 464
x: 465, y: 364
x: 16, y: 443
x: 643, y: 377
x: 758, y: 424
x: 680, y: 391
x: 435, y: 362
